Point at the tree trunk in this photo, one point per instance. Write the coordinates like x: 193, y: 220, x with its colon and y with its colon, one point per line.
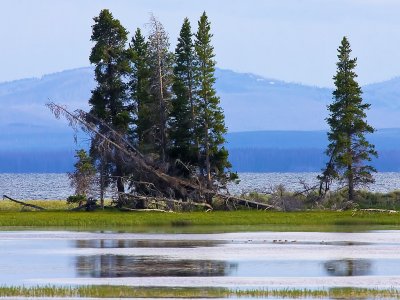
x: 120, y: 185
x: 350, y: 174
x: 193, y: 121
x: 162, y: 106
x: 208, y: 164
x: 102, y: 183
x: 162, y: 122
x: 351, y: 183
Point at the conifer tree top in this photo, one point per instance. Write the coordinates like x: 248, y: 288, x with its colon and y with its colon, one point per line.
x: 106, y: 31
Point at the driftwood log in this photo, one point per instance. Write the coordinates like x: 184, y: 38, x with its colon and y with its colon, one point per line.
x: 227, y: 198
x: 390, y: 211
x: 145, y: 209
x: 23, y: 203
x: 244, y: 202
x: 158, y: 200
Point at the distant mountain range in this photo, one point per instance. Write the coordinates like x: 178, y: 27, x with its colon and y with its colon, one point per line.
x: 273, y: 125
x: 250, y: 102
x: 301, y: 151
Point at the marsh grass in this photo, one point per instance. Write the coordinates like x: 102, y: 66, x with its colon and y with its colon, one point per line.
x: 110, y: 292
x: 144, y: 292
x: 53, y: 205
x: 333, y: 293
x: 288, y: 201
x: 206, y: 221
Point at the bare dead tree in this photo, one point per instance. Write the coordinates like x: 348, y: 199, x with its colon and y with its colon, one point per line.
x: 161, y: 78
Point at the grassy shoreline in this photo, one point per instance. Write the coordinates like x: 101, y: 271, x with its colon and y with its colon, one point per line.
x: 144, y: 292
x: 226, y: 220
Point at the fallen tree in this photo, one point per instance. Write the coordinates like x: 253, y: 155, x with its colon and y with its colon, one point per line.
x: 24, y: 204
x: 147, y: 170
x: 389, y: 211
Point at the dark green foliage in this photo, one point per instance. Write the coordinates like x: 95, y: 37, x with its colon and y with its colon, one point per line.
x: 183, y: 111
x: 82, y: 179
x: 108, y: 54
x: 164, y: 105
x: 349, y: 150
x: 143, y: 105
x: 210, y: 126
x: 109, y: 98
x: 76, y: 199
x: 378, y: 200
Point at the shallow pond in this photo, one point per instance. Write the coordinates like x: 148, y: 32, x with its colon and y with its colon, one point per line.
x: 245, y: 260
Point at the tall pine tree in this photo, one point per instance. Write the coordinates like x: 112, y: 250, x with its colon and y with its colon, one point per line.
x: 109, y: 98
x: 142, y: 102
x: 183, y: 111
x: 210, y: 118
x: 348, y: 149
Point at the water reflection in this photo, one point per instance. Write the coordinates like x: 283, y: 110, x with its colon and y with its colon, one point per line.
x: 157, y: 259
x: 348, y: 267
x: 98, y: 266
x: 146, y: 243
x: 106, y: 265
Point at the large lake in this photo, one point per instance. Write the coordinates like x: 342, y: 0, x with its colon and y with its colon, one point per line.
x: 56, y: 186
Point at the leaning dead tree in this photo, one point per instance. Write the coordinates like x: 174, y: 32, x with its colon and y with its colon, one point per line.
x: 150, y: 172
x: 24, y: 204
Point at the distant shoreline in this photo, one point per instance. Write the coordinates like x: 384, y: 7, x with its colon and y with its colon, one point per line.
x: 55, y: 186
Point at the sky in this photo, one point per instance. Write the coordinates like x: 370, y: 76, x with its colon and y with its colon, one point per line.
x: 290, y: 40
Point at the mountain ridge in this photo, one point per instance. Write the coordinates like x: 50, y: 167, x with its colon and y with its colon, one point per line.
x: 273, y: 125
x: 251, y: 102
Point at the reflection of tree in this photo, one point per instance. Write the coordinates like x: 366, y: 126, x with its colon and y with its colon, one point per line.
x: 348, y: 267
x: 130, y: 266
x: 144, y: 243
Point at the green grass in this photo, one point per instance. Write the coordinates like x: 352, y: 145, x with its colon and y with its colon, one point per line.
x: 126, y: 292
x: 225, y: 220
x: 7, y: 205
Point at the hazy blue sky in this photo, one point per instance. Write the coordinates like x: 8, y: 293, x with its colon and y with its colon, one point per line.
x: 292, y: 40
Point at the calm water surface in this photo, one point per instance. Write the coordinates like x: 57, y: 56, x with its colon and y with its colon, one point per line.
x: 56, y: 186
x: 262, y: 259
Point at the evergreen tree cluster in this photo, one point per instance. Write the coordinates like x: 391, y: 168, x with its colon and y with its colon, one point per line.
x: 164, y: 103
